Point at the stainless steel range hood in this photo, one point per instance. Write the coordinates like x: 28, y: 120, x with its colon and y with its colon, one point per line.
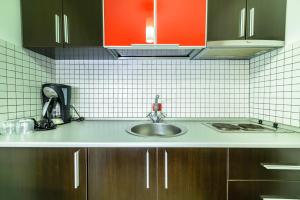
x: 228, y: 49
x: 136, y: 54
x: 237, y: 49
x: 155, y: 52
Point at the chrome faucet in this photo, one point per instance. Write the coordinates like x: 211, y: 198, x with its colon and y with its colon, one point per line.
x: 156, y: 116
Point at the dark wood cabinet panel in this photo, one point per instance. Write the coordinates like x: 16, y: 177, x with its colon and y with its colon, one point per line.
x: 269, y: 19
x: 35, y: 174
x: 50, y: 24
x: 228, y: 19
x: 251, y: 190
x: 39, y: 24
x: 84, y: 22
x: 247, y: 164
x: 224, y: 19
x: 193, y: 174
x: 121, y: 174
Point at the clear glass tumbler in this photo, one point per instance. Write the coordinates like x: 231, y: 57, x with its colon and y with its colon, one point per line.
x: 8, y: 127
x: 24, y: 126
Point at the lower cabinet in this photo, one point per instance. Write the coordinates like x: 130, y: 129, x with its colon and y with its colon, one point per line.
x: 151, y: 174
x: 192, y: 174
x: 264, y: 174
x: 264, y: 190
x: 122, y: 174
x: 42, y: 174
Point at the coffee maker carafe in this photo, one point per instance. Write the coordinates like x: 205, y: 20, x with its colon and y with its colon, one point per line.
x: 56, y: 103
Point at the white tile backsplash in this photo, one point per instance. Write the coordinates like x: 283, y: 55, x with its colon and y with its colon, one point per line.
x: 22, y: 72
x: 275, y: 86
x: 266, y: 87
x: 126, y: 88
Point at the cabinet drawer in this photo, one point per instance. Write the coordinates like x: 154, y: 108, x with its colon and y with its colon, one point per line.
x: 264, y: 164
x: 263, y: 190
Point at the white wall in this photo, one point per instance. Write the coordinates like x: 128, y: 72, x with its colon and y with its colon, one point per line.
x: 10, y: 21
x: 293, y: 21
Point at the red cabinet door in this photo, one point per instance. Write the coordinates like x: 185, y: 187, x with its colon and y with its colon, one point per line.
x: 125, y: 22
x: 181, y: 22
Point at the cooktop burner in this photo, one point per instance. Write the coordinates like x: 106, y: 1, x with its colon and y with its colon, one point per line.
x: 251, y: 126
x: 241, y: 127
x: 225, y: 126
x: 245, y: 127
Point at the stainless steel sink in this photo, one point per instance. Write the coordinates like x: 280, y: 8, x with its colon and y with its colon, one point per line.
x: 156, y: 129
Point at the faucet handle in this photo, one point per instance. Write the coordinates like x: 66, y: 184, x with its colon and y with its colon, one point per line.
x: 157, y: 107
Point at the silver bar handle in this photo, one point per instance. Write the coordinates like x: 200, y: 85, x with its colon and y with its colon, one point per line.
x: 242, y: 22
x: 66, y: 29
x: 57, y: 29
x: 252, y: 17
x: 166, y: 169
x: 271, y: 198
x: 155, y: 21
x: 281, y: 167
x: 147, y: 170
x: 276, y: 198
x: 76, y: 169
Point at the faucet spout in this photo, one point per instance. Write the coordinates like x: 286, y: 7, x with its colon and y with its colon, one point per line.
x: 156, y: 106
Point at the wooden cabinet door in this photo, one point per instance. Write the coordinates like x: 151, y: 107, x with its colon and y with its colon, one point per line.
x: 226, y: 20
x: 82, y: 23
x: 266, y: 19
x: 122, y: 174
x: 125, y: 22
x: 48, y: 174
x: 41, y: 22
x: 193, y: 174
x: 264, y: 164
x: 181, y: 22
x: 263, y: 190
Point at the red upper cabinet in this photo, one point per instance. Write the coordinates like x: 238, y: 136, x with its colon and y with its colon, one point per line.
x: 181, y: 22
x: 155, y: 22
x: 125, y: 21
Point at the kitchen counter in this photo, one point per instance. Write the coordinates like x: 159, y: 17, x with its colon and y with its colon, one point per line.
x: 111, y: 133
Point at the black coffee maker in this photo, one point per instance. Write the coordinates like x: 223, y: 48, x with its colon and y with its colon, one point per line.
x: 56, y: 103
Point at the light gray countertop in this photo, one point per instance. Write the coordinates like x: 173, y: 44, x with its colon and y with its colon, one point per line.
x: 111, y: 133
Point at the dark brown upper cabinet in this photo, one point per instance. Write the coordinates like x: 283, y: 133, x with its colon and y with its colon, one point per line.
x: 246, y: 19
x: 266, y: 19
x: 41, y: 22
x: 43, y: 173
x: 61, y: 23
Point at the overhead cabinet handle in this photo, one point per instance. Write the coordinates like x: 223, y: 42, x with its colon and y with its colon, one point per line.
x: 76, y: 169
x: 281, y: 167
x: 147, y: 170
x: 66, y: 29
x: 252, y: 21
x: 57, y: 28
x: 242, y: 22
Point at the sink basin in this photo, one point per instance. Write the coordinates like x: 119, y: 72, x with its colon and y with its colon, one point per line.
x: 156, y: 129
